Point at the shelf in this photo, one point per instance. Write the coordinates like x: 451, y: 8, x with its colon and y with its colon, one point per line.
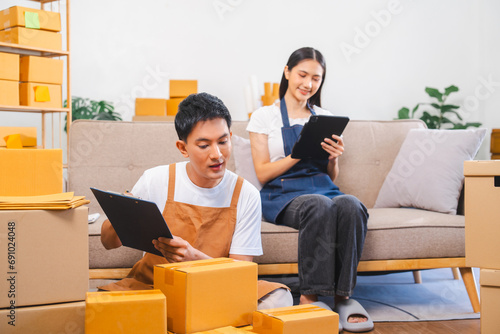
x: 32, y: 109
x: 44, y: 1
x: 30, y: 51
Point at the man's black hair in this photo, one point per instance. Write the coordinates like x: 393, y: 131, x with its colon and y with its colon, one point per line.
x: 196, y: 108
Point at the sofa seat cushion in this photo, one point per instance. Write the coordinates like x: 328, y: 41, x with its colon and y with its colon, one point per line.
x: 394, y: 233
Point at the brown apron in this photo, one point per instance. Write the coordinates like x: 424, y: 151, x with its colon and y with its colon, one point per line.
x: 207, y: 229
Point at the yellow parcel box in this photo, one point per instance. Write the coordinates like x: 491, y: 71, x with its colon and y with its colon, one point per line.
x: 18, y: 16
x: 173, y: 105
x: 9, y: 93
x: 32, y: 37
x: 482, y: 213
x: 183, y: 88
x: 52, y: 318
x: 208, y: 294
x: 150, y: 107
x: 40, y: 95
x: 297, y: 319
x: 9, y: 66
x: 30, y: 172
x: 40, y: 69
x: 490, y: 300
x: 28, y: 134
x: 45, y: 256
x: 226, y: 330
x: 122, y: 312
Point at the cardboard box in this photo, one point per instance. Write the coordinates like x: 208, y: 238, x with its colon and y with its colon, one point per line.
x: 41, y: 69
x: 495, y: 141
x: 9, y: 93
x: 208, y: 294
x: 9, y: 66
x: 495, y: 157
x: 40, y: 95
x: 140, y: 311
x: 225, y: 330
x: 45, y: 256
x: 26, y: 172
x: 173, y: 105
x: 490, y: 300
x: 297, y: 319
x: 183, y: 88
x: 16, y: 17
x: 153, y: 118
x: 54, y: 318
x: 35, y: 38
x: 28, y: 134
x: 150, y: 107
x: 482, y: 213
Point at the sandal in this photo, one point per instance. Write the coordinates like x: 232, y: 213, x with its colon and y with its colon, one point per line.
x: 349, y: 307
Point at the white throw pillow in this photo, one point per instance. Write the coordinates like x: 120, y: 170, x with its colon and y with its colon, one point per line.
x: 243, y: 160
x: 428, y: 170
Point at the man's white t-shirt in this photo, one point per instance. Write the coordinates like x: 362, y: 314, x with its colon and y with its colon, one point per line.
x: 267, y: 120
x: 153, y: 186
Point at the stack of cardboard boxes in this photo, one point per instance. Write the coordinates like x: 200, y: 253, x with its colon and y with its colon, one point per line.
x: 207, y: 296
x: 30, y: 80
x: 482, y: 233
x: 149, y: 109
x: 31, y: 28
x: 495, y: 144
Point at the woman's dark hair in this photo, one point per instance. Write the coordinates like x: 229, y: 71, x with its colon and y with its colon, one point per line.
x: 196, y: 108
x: 296, y: 57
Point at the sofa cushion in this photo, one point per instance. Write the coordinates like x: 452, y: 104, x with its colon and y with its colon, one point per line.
x: 393, y: 233
x: 428, y: 170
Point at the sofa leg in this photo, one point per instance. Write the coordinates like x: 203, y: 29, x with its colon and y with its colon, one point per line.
x: 417, y: 276
x: 456, y: 273
x: 470, y: 286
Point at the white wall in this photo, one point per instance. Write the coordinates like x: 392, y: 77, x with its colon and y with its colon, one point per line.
x: 122, y: 49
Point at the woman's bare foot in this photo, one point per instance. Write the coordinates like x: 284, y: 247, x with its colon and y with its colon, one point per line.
x: 353, y: 318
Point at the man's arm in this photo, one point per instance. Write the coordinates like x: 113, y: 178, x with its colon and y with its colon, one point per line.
x: 109, y: 238
x: 241, y: 257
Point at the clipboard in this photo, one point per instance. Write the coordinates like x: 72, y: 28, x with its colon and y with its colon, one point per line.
x: 137, y: 222
x: 319, y: 127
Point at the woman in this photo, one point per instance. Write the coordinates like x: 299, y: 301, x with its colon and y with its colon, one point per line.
x: 300, y: 193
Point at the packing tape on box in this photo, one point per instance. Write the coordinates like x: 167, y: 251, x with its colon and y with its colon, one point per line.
x: 13, y: 141
x: 42, y: 94
x: 169, y: 274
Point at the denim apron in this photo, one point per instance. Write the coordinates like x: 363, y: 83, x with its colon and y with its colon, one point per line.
x: 308, y: 176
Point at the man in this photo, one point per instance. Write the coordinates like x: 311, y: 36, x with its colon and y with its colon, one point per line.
x: 210, y: 211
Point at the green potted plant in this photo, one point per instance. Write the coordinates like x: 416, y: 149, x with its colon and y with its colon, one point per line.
x: 437, y: 117
x: 82, y: 108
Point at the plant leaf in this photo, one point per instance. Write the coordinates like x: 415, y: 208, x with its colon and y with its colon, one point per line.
x: 404, y: 113
x: 451, y: 89
x: 433, y: 92
x: 448, y: 107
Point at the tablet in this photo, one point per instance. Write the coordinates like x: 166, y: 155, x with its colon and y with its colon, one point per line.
x: 137, y: 222
x: 314, y: 132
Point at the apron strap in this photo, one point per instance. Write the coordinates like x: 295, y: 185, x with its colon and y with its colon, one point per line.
x: 236, y: 192
x: 171, y: 182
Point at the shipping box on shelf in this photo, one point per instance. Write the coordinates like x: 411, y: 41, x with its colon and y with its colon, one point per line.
x: 150, y: 107
x: 28, y: 135
x: 296, y: 319
x: 140, y: 311
x: 153, y: 118
x: 45, y: 256
x: 9, y: 66
x: 30, y: 172
x: 173, y: 105
x: 52, y: 318
x: 208, y: 294
x: 18, y: 16
x: 183, y: 88
x: 225, y: 330
x: 9, y: 93
x: 32, y: 37
x: 490, y: 300
x: 482, y: 213
x: 495, y: 141
x: 40, y: 69
x: 40, y: 95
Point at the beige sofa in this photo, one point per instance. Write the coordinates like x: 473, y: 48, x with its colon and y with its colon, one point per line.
x: 113, y: 155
